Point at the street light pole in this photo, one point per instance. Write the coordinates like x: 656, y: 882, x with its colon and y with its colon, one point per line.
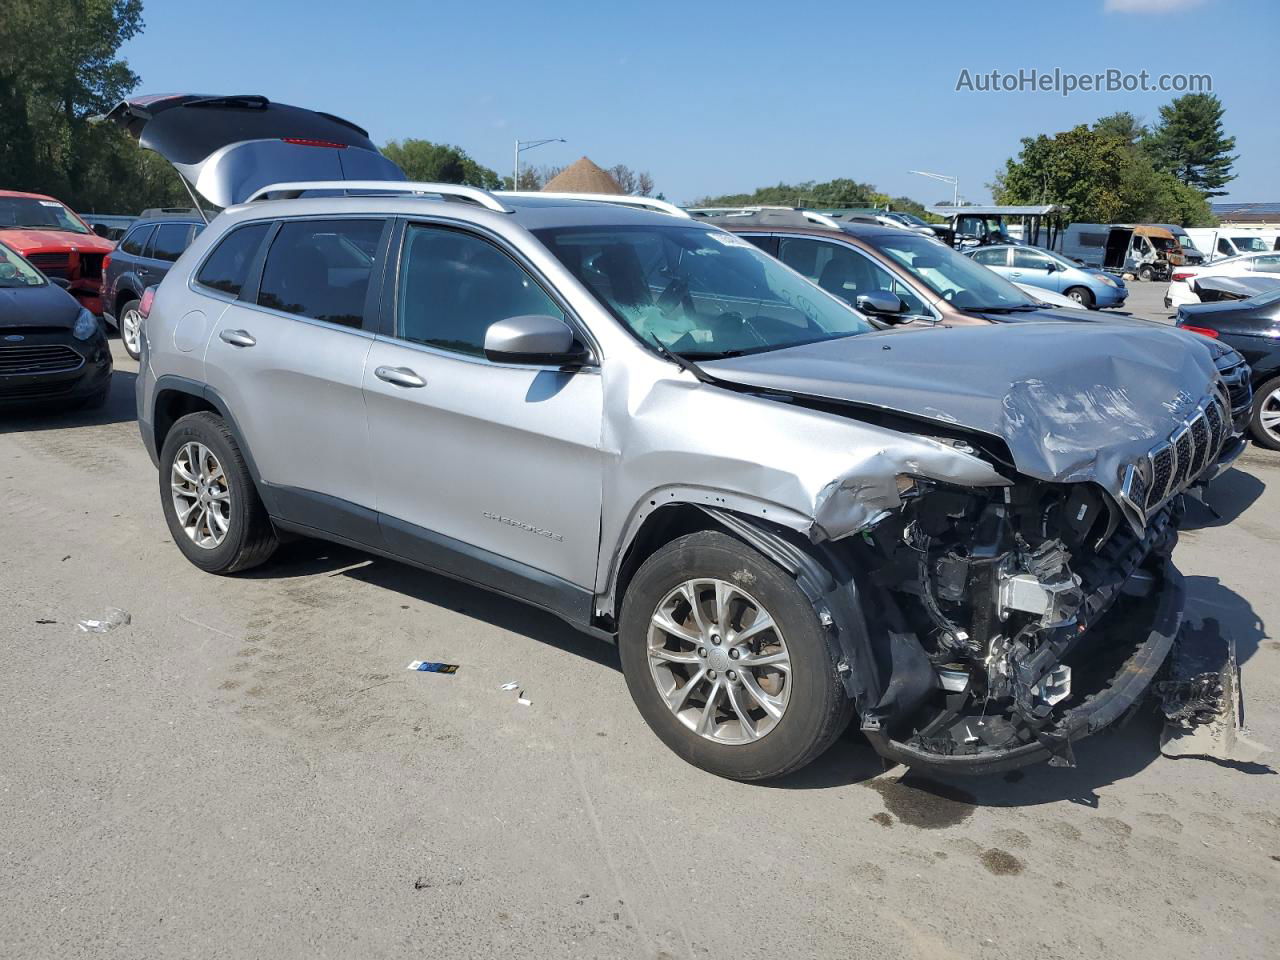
x: 521, y: 147
x: 954, y: 181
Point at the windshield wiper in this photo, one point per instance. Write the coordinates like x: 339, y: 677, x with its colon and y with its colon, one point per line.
x: 1021, y: 306
x: 680, y: 361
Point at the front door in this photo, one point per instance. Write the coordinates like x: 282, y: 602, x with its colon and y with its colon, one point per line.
x: 490, y: 470
x: 288, y: 358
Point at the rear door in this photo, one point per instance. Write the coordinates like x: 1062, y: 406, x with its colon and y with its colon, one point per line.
x: 491, y: 469
x: 288, y: 355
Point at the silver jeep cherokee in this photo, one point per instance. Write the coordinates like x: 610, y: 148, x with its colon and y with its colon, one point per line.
x: 783, y: 515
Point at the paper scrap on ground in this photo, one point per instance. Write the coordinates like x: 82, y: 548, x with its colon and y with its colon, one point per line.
x: 428, y: 666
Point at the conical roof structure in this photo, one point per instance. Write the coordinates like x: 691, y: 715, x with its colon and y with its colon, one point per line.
x: 582, y: 176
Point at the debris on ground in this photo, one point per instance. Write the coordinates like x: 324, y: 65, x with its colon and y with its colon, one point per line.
x: 1201, y: 699
x: 520, y: 697
x: 113, y: 617
x: 523, y: 700
x: 511, y: 685
x: 43, y: 621
x: 429, y: 666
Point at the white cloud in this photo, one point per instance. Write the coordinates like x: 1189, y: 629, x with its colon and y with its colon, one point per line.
x: 1148, y: 6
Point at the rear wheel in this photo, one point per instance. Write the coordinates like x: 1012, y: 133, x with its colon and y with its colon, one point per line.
x: 131, y: 329
x: 1265, y: 422
x: 209, y: 500
x: 727, y: 661
x: 1082, y: 296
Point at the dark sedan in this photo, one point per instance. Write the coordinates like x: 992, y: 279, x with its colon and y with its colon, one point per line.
x: 52, y: 350
x: 1253, y: 327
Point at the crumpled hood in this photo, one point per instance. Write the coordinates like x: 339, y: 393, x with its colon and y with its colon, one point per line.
x: 31, y: 240
x: 1072, y: 401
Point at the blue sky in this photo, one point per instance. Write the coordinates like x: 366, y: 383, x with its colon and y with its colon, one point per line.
x: 717, y: 97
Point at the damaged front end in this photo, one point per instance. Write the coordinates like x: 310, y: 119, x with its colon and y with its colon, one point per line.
x: 1037, y: 619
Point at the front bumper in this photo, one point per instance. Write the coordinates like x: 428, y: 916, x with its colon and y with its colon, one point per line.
x: 1110, y: 296
x: 1124, y: 688
x: 30, y: 374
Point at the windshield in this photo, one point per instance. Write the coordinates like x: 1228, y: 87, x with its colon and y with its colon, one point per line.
x: 700, y: 293
x: 911, y: 218
x: 17, y: 212
x: 16, y: 272
x: 954, y: 277
x: 1250, y: 244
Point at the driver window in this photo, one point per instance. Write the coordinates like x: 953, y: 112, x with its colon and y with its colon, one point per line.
x: 1029, y: 261
x: 843, y: 272
x: 1224, y: 247
x: 991, y: 257
x: 454, y: 286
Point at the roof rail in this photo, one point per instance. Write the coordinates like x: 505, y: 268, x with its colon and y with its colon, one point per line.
x: 820, y: 218
x: 622, y: 199
x: 448, y: 191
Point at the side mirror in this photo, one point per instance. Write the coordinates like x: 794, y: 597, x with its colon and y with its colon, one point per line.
x: 62, y: 282
x: 881, y: 304
x: 1050, y: 267
x: 533, y: 339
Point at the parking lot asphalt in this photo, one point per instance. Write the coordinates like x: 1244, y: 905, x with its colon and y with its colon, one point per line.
x: 247, y: 769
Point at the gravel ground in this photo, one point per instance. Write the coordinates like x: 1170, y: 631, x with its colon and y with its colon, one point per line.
x: 248, y: 770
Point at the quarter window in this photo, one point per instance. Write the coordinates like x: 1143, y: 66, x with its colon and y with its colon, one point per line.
x: 844, y: 272
x: 229, y: 263
x: 1267, y: 264
x: 136, y: 240
x: 321, y: 269
x: 454, y: 286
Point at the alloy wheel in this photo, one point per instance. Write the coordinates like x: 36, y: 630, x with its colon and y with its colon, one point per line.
x: 201, y: 497
x: 719, y: 661
x: 1269, y: 414
x: 131, y: 330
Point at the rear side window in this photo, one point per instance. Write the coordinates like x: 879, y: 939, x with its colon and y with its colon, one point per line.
x: 991, y: 258
x: 229, y: 263
x: 454, y: 286
x: 170, y: 240
x: 136, y: 240
x: 321, y: 269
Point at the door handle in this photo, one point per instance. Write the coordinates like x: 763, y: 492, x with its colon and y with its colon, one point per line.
x: 237, y: 338
x: 399, y: 376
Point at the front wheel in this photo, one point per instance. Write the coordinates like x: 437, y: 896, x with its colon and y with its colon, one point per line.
x: 1082, y: 296
x: 1147, y: 274
x: 727, y: 661
x: 1265, y: 422
x: 131, y: 329
x: 209, y: 500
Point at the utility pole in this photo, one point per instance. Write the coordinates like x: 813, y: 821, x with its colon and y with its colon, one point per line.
x: 954, y: 181
x: 521, y: 147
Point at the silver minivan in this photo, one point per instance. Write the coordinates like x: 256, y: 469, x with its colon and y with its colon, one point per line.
x: 783, y: 516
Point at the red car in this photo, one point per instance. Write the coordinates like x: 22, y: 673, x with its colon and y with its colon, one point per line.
x: 56, y: 241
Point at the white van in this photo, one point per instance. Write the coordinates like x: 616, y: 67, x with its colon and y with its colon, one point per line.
x: 1218, y: 243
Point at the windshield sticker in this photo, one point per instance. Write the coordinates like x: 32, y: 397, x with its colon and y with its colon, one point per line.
x: 728, y: 239
x: 50, y: 203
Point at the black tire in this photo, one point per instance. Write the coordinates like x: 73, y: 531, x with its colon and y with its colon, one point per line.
x: 1268, y: 391
x: 818, y: 709
x: 1081, y: 295
x: 1146, y: 274
x: 128, y: 305
x: 250, y: 539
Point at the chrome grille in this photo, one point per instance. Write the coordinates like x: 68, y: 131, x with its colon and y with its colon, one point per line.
x: 1177, y: 462
x: 38, y: 358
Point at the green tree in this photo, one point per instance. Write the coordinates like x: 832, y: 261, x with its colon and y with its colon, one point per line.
x: 1188, y: 142
x: 832, y: 193
x: 1102, y: 175
x: 58, y: 67
x: 439, y: 163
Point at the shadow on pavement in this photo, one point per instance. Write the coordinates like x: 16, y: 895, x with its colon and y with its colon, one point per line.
x: 1229, y: 496
x: 121, y: 407
x: 309, y: 558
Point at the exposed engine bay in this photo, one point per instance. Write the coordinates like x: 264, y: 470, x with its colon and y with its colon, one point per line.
x: 1010, y: 593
